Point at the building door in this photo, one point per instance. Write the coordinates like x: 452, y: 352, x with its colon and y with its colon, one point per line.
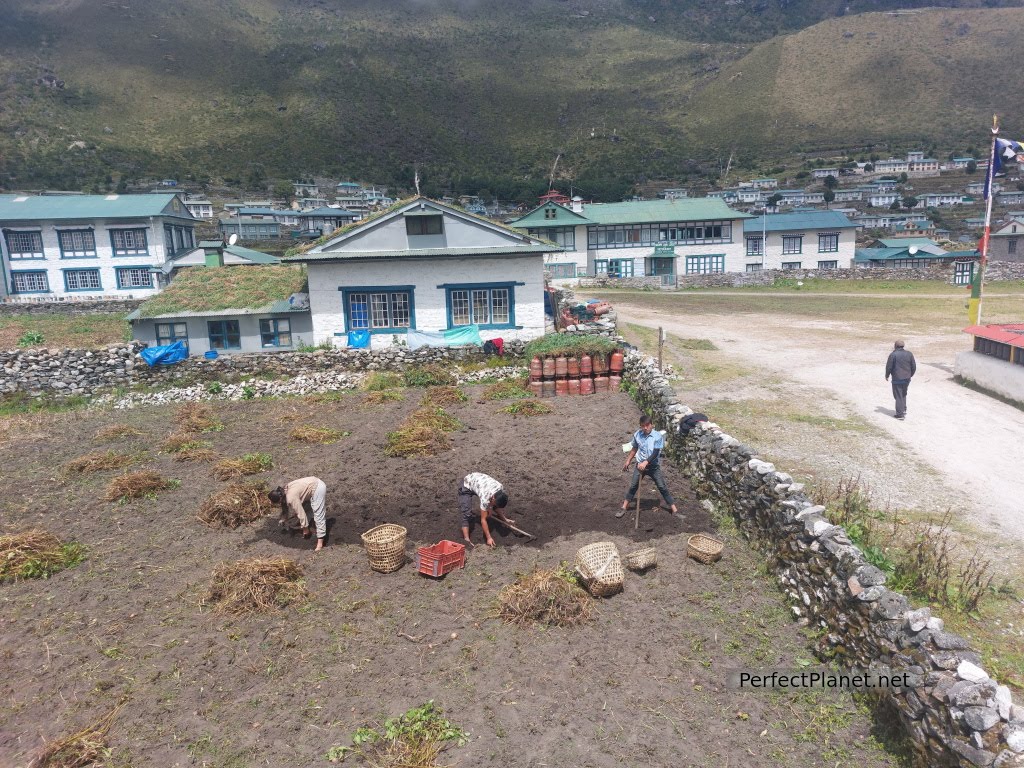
x: 963, y: 272
x: 664, y: 268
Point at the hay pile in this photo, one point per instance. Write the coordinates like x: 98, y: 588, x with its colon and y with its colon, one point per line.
x: 79, y: 750
x: 382, y: 380
x: 440, y: 396
x: 510, y: 389
x: 256, y: 585
x: 36, y: 554
x: 381, y: 396
x: 238, y: 504
x: 423, y: 433
x: 137, y: 485
x: 98, y: 461
x: 321, y: 435
x: 197, y: 417
x: 429, y: 375
x: 249, y: 464
x: 545, y: 597
x: 527, y: 408
x: 115, y: 432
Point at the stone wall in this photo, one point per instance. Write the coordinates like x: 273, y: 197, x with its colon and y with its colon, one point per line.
x: 68, y: 307
x: 649, y: 283
x: 68, y: 372
x: 953, y: 712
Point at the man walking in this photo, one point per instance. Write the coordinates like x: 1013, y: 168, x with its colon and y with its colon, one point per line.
x: 295, y: 497
x: 902, y: 367
x: 647, y: 447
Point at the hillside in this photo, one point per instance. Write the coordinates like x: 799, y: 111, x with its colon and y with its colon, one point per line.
x: 480, y: 94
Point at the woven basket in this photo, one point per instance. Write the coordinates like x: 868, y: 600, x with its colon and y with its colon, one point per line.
x: 600, y: 568
x: 641, y: 559
x: 385, y: 546
x: 704, y: 548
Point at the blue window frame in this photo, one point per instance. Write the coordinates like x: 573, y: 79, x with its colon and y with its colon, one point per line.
x: 134, y: 277
x: 24, y: 245
x: 30, y: 282
x: 77, y: 243
x: 129, y: 242
x: 379, y: 309
x: 705, y: 265
x: 224, y: 334
x: 276, y: 332
x: 489, y: 305
x: 82, y: 280
x: 168, y: 333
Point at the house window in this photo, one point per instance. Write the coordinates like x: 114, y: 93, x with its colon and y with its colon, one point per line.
x: 375, y: 310
x: 705, y: 265
x: 828, y: 242
x: 423, y: 225
x: 168, y: 333
x: 909, y: 263
x: 600, y: 266
x: 550, y: 213
x: 77, y: 244
x: 563, y: 236
x: 134, y: 277
x: 620, y: 268
x: 82, y: 280
x: 561, y: 271
x: 29, y: 282
x: 792, y: 243
x: 828, y: 265
x: 224, y: 334
x: 480, y: 305
x: 791, y: 265
x: 1011, y: 245
x: 25, y: 245
x: 129, y: 242
x: 754, y: 267
x: 276, y: 333
x: 755, y: 246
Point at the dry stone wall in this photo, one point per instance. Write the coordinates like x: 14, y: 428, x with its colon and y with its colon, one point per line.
x: 69, y: 307
x: 954, y: 713
x: 68, y: 372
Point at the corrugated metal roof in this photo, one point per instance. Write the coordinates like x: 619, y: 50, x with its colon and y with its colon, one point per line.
x: 787, y: 222
x: 61, y: 207
x: 906, y: 242
x: 658, y: 211
x: 535, y: 219
x: 1006, y: 333
x: 429, y: 253
x: 325, y: 211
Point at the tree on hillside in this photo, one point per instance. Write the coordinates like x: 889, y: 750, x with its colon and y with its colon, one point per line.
x: 903, y: 178
x: 909, y: 202
x: 972, y: 166
x: 283, y: 190
x: 895, y: 205
x: 869, y: 168
x: 828, y: 196
x: 831, y: 182
x: 773, y: 200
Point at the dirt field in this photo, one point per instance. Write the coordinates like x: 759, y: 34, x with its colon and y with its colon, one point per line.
x: 643, y: 685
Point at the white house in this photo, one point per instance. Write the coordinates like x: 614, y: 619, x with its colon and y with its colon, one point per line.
x: 90, y: 246
x: 821, y: 173
x: 199, y: 207
x: 426, y: 266
x: 803, y: 240
x: 765, y: 183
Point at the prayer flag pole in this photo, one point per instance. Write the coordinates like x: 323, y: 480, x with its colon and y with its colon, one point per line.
x: 974, y: 303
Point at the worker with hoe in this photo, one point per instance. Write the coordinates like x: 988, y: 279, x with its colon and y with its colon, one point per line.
x: 294, y: 499
x: 647, y: 447
x: 493, y: 500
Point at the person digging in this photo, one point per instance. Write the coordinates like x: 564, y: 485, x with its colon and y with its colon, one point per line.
x: 647, y: 447
x: 493, y: 500
x: 294, y: 498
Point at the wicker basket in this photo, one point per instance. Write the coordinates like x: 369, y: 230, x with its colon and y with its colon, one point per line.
x: 600, y: 568
x: 704, y: 548
x: 385, y: 546
x: 641, y: 559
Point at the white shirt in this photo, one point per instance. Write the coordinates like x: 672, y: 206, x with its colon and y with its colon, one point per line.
x: 484, y: 486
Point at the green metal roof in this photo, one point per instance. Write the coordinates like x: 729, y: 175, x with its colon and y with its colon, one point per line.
x: 226, y: 290
x: 325, y: 212
x: 257, y: 257
x: 888, y: 254
x: 786, y: 222
x: 64, y: 207
x: 527, y: 249
x: 535, y: 219
x: 658, y: 211
x: 906, y: 242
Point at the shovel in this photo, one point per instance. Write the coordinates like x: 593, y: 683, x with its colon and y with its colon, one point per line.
x: 517, y: 530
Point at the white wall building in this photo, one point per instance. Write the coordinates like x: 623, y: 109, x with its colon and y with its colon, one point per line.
x: 803, y: 240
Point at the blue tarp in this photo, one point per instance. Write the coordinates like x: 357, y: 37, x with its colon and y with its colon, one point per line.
x: 359, y: 339
x: 469, y: 334
x: 166, y: 355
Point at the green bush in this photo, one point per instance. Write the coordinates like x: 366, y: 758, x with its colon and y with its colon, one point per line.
x: 30, y: 339
x: 431, y: 375
x: 569, y: 344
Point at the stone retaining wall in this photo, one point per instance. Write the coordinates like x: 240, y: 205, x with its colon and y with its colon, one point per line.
x: 68, y: 372
x: 953, y: 712
x: 69, y: 307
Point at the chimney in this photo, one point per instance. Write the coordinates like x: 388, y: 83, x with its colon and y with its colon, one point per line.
x: 214, y: 251
x: 577, y: 204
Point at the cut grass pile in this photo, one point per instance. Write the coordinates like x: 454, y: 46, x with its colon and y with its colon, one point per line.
x: 322, y: 435
x: 198, y: 451
x: 238, y: 504
x: 382, y: 380
x: 430, y: 375
x: 85, y: 748
x: 569, y: 344
x: 249, y: 464
x: 137, y: 485
x: 441, y: 396
x: 413, y: 740
x: 114, y: 432
x: 423, y: 433
x: 197, y: 417
x: 182, y: 441
x: 527, y: 408
x: 381, y: 396
x: 512, y: 389
x: 256, y: 585
x: 545, y: 597
x: 98, y: 461
x: 36, y: 554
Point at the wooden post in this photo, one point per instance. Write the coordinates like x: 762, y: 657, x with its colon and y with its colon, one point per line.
x: 661, y: 346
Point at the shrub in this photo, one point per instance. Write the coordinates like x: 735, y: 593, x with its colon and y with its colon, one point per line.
x: 431, y: 375
x: 569, y: 344
x: 30, y: 339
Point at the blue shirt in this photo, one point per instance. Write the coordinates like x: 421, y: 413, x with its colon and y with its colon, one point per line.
x: 646, y: 444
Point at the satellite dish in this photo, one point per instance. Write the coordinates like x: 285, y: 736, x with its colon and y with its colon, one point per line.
x: 233, y: 239
x: 912, y: 250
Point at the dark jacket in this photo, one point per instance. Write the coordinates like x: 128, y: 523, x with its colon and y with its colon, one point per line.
x: 900, y: 365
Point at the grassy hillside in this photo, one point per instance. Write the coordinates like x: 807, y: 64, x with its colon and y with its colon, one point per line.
x: 480, y: 94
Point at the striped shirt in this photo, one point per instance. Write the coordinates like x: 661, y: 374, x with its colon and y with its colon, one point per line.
x: 484, y: 486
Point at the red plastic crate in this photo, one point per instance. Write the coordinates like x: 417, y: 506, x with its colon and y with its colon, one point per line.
x: 441, y: 558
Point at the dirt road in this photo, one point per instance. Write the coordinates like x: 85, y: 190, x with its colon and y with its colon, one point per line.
x: 973, y: 442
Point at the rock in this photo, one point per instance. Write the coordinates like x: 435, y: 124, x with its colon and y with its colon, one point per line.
x: 981, y: 718
x: 972, y: 754
x: 948, y: 641
x: 1013, y: 734
x: 970, y: 672
x: 1004, y: 701
x: 918, y: 620
x: 854, y: 585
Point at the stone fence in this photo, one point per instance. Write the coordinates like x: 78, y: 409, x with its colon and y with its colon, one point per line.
x: 68, y: 307
x: 953, y: 712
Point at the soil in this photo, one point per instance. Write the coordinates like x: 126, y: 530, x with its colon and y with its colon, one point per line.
x: 643, y: 685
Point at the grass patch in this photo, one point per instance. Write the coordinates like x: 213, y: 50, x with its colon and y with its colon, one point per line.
x: 527, y: 408
x: 569, y: 345
x: 18, y: 403
x: 381, y: 380
x: 64, y: 331
x: 238, y: 504
x: 256, y: 585
x: 414, y: 740
x: 249, y: 464
x: 138, y: 485
x: 430, y: 375
x: 197, y: 417
x: 552, y: 597
x: 381, y: 396
x: 441, y: 396
x: 79, y: 750
x: 203, y: 290
x: 510, y: 389
x: 36, y: 554
x: 321, y: 435
x: 98, y: 461
x: 114, y: 432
